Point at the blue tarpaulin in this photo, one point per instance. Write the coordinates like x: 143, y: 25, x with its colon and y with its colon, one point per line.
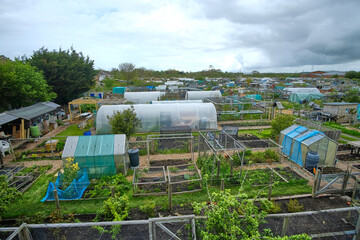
x: 296, y: 154
x: 72, y: 192
x: 287, y: 142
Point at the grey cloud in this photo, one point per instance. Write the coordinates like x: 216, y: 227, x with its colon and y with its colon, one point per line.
x: 293, y: 33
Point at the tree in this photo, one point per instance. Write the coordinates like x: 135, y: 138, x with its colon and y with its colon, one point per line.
x: 124, y: 122
x: 22, y: 85
x: 68, y: 72
x: 280, y: 123
x: 352, y: 74
x: 352, y: 96
x: 127, y: 71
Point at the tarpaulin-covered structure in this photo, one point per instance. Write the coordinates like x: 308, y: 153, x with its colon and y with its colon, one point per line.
x: 154, y: 117
x: 305, y: 97
x: 74, y: 191
x: 101, y: 155
x: 297, y: 141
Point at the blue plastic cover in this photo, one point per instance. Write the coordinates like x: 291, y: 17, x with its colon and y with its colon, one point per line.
x: 287, y: 142
x: 73, y: 192
x: 296, y: 154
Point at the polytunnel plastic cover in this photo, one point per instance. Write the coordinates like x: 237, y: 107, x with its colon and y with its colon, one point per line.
x: 143, y: 97
x: 199, y: 95
x: 154, y: 117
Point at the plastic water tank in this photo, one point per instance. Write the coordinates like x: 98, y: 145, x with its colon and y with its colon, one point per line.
x: 312, y: 160
x: 35, y: 132
x: 134, y: 157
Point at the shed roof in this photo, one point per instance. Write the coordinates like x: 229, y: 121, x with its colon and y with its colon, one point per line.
x: 340, y: 103
x: 34, y: 111
x: 5, y: 118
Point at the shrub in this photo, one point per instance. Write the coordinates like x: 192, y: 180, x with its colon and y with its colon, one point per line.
x: 270, y: 206
x: 294, y: 206
x: 7, y: 193
x: 148, y: 208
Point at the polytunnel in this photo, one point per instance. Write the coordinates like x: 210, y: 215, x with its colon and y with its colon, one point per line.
x: 143, y: 97
x: 200, y: 95
x: 101, y: 155
x: 299, y: 142
x: 176, y: 101
x: 154, y: 117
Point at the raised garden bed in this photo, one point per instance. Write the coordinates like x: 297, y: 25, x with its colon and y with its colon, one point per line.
x: 348, y: 157
x: 184, y: 178
x: 24, y: 178
x: 170, y: 162
x: 151, y: 181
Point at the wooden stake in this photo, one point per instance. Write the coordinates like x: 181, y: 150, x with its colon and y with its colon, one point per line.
x: 270, y: 185
x: 285, y: 226
x: 112, y: 191
x: 57, y: 202
x: 222, y: 187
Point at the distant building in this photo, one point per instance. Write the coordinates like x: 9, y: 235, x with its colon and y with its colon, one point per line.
x: 341, y: 112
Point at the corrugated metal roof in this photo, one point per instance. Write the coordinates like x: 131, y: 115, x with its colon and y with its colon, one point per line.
x: 5, y: 118
x: 340, y: 103
x: 33, y: 111
x: 51, y: 104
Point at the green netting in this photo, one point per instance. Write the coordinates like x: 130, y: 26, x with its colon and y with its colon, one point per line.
x: 96, y: 154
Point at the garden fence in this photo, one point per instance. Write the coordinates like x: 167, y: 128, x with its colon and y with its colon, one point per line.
x: 176, y: 227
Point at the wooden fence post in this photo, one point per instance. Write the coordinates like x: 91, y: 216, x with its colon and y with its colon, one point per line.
x: 112, y: 191
x: 57, y: 202
x: 222, y: 187
x: 24, y: 234
x: 357, y: 229
x: 285, y: 226
x: 346, y: 178
x: 316, y: 181
x: 270, y: 185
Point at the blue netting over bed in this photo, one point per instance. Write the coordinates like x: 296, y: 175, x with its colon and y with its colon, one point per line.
x: 73, y: 192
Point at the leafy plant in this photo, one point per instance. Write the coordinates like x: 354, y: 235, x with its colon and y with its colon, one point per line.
x: 270, y: 206
x: 173, y: 169
x: 7, y: 194
x: 294, y: 206
x: 103, y: 188
x: 114, y: 209
x: 149, y: 208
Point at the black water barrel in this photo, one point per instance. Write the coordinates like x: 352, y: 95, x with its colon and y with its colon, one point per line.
x: 134, y: 157
x: 312, y: 160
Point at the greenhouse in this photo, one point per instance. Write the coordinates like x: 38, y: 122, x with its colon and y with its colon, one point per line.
x: 200, y: 95
x: 102, y: 155
x: 305, y: 97
x: 154, y: 117
x: 303, y: 145
x: 143, y: 97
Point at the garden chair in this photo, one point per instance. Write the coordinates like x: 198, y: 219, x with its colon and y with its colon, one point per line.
x: 4, y: 146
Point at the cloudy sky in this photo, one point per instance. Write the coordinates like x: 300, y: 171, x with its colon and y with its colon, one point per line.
x: 190, y: 35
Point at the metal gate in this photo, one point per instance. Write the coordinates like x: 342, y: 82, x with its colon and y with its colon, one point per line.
x: 335, y: 183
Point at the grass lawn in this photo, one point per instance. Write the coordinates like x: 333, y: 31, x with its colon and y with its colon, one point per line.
x: 348, y: 138
x: 343, y: 129
x: 264, y: 134
x: 29, y: 204
x: 73, y: 130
